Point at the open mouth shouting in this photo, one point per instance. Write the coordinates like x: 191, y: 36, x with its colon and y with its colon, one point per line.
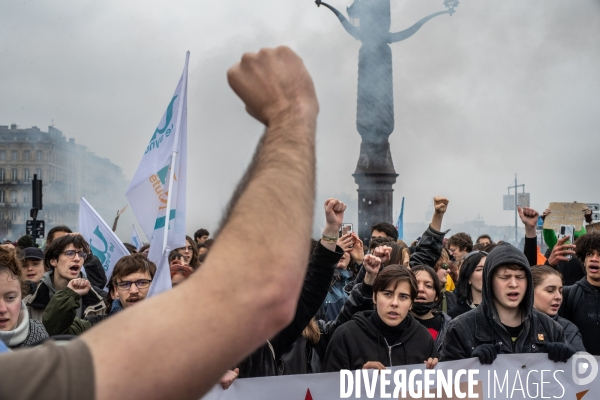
x: 74, y: 270
x: 513, y: 296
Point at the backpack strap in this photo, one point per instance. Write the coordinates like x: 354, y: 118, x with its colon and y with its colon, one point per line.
x: 573, y: 298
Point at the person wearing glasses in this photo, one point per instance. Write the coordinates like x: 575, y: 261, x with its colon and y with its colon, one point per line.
x: 459, y: 245
x: 505, y: 321
x: 470, y: 282
x: 448, y: 297
x: 64, y: 260
x: 128, y: 285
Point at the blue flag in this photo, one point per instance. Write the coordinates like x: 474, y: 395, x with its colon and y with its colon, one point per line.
x: 400, y: 222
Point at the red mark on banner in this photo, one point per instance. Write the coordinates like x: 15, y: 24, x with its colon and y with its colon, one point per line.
x: 309, y: 396
x: 581, y: 394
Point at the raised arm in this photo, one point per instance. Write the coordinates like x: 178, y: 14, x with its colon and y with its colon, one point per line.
x: 253, y: 296
x: 529, y: 217
x: 318, y: 278
x: 429, y: 248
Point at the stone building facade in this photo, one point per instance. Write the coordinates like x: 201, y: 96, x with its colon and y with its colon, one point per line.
x: 68, y: 171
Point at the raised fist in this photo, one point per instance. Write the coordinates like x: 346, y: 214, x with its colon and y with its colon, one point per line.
x: 383, y: 252
x: 80, y: 286
x: 274, y: 85
x: 440, y: 204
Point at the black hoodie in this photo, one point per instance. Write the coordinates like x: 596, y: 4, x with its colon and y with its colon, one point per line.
x: 357, y: 342
x: 581, y: 306
x: 482, y: 325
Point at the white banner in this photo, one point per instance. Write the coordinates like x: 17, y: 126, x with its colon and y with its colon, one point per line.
x: 515, y: 376
x: 160, y: 180
x: 104, y: 243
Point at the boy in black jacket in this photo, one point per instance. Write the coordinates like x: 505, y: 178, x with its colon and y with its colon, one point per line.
x: 581, y: 304
x: 505, y: 321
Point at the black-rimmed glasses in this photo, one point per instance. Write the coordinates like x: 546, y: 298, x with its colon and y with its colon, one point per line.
x: 71, y: 254
x: 140, y: 284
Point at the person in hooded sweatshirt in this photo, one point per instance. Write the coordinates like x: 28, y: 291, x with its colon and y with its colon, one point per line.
x: 581, y: 301
x: 505, y: 321
x: 389, y: 335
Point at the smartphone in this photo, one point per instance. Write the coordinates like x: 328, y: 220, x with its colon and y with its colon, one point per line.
x: 345, y: 229
x: 567, y: 230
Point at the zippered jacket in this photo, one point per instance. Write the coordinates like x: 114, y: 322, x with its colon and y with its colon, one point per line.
x: 482, y: 325
x: 358, y: 341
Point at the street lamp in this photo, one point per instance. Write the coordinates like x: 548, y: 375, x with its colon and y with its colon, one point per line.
x: 370, y: 22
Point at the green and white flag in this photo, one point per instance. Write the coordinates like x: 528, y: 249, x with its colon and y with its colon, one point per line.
x: 104, y: 243
x: 157, y: 192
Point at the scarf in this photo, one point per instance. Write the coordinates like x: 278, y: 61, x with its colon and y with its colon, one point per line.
x: 19, y: 334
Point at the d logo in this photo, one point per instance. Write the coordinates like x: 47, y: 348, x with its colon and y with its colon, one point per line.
x: 582, y: 362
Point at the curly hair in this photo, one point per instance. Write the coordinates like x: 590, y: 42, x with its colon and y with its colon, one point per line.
x: 586, y: 244
x: 462, y: 241
x: 10, y: 263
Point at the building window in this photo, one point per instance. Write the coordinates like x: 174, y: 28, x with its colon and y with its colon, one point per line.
x: 1, y: 175
x: 1, y: 197
x: 26, y: 176
x: 14, y: 175
x: 25, y: 198
x: 2, y: 155
x: 38, y: 155
x: 13, y: 215
x: 14, y: 155
x: 26, y: 155
x: 13, y: 196
x: 38, y: 172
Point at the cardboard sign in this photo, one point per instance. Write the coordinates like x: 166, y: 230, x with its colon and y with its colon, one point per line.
x: 565, y: 214
x: 593, y: 228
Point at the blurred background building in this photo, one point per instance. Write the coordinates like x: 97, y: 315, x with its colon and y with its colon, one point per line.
x: 68, y: 170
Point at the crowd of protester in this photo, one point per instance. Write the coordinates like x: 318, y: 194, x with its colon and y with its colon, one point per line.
x: 371, y: 306
x: 384, y: 305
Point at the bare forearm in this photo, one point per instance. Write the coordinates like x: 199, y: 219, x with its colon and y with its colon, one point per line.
x: 436, y: 221
x: 184, y: 340
x: 530, y: 231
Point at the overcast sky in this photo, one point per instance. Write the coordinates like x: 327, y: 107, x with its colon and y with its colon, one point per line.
x: 499, y: 88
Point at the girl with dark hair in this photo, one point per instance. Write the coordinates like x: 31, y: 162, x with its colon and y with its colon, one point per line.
x: 190, y: 253
x: 425, y: 307
x: 389, y: 335
x: 16, y: 328
x: 470, y: 283
x: 548, y: 288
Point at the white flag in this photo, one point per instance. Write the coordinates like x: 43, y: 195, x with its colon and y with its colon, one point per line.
x: 157, y: 192
x: 135, y: 237
x: 162, y: 278
x: 104, y: 243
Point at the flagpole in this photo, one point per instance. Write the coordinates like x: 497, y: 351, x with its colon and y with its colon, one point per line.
x: 175, y: 150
